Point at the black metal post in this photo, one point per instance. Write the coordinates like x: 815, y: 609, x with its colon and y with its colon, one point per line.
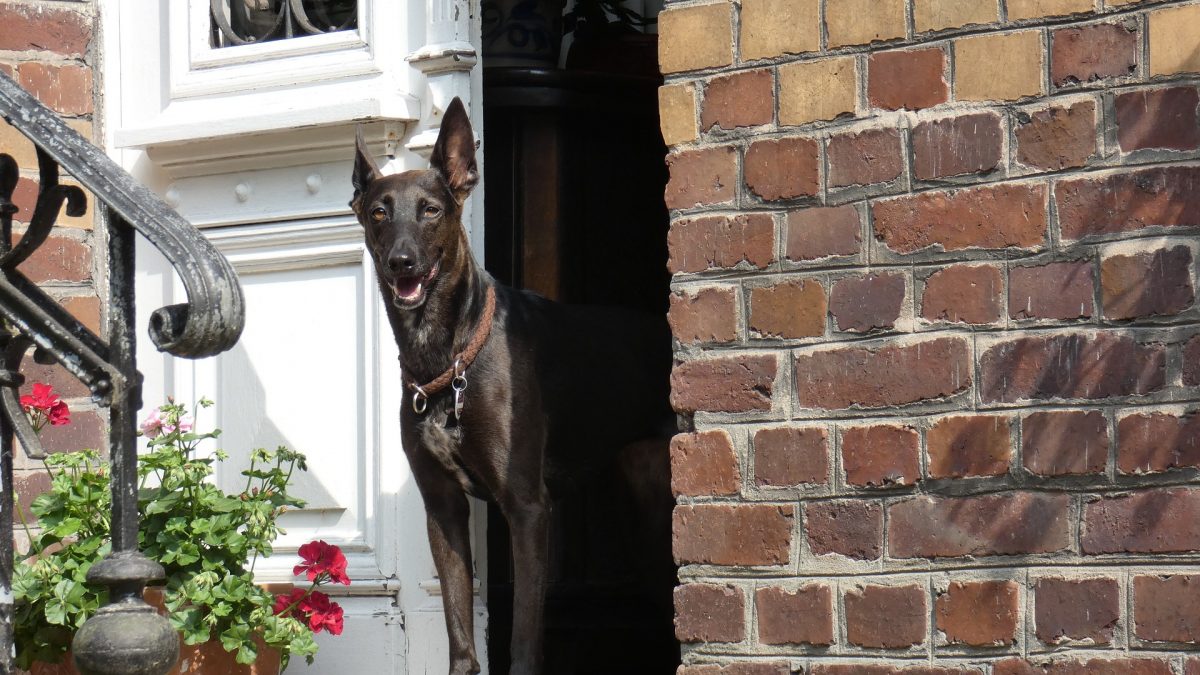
x: 6, y: 541
x: 126, y: 636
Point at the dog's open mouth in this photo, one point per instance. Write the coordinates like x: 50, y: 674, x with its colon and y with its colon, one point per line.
x: 410, y: 292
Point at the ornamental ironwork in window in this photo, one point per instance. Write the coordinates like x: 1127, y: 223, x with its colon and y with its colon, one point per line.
x: 243, y: 22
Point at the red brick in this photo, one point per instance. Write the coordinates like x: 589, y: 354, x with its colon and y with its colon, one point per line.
x: 1076, y: 609
x: 1157, y: 283
x: 704, y: 464
x: 883, y: 455
x: 1165, y: 119
x: 963, y: 294
x: 887, y: 375
x: 59, y: 259
x: 40, y: 28
x: 998, y: 216
x: 744, y: 668
x: 823, y: 232
x: 1061, y: 290
x: 965, y: 446
x: 868, y: 669
x: 862, y: 304
x: 784, y: 168
x: 1077, y: 365
x: 1058, y: 443
x: 1095, y: 52
x: 1013, y: 523
x: 852, y: 528
x: 24, y: 196
x: 1081, y: 667
x: 792, y: 309
x: 66, y: 89
x: 745, y: 99
x: 709, y: 613
x: 28, y: 486
x: 802, y: 616
x: 1129, y: 201
x: 731, y: 384
x: 979, y: 613
x: 1154, y: 442
x: 719, y: 242
x: 64, y: 383
x: 708, y: 315
x: 1191, y: 362
x: 864, y: 158
x: 886, y: 617
x: 913, y: 79
x: 1167, y: 608
x: 87, y: 431
x: 957, y: 145
x: 789, y: 456
x: 1151, y: 521
x: 742, y: 534
x: 700, y: 177
x: 1058, y: 137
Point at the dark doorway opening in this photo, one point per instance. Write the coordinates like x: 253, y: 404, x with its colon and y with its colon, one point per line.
x: 574, y: 210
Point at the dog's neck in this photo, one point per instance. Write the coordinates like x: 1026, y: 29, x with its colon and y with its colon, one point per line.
x: 430, y: 335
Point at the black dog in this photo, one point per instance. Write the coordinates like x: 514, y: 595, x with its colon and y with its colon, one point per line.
x: 508, y: 396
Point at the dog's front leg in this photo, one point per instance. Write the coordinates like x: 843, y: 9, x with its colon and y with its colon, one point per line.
x: 529, y: 523
x: 448, y: 520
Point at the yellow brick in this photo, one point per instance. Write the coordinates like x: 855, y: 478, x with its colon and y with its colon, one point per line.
x: 775, y: 27
x: 12, y: 142
x: 86, y: 220
x: 858, y: 22
x: 695, y: 37
x: 816, y: 90
x: 929, y: 15
x: 998, y: 67
x: 1035, y: 9
x: 677, y: 113
x: 1175, y: 40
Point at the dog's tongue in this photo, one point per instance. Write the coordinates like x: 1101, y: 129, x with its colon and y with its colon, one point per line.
x: 408, y: 288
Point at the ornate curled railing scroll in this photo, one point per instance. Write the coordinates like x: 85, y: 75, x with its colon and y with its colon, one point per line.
x: 126, y: 636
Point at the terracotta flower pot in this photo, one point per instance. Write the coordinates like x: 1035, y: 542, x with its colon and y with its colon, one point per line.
x: 209, y: 658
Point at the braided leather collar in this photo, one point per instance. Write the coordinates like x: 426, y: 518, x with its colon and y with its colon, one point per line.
x: 462, y: 360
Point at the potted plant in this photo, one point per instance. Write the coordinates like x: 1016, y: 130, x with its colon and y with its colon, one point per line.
x: 207, y: 541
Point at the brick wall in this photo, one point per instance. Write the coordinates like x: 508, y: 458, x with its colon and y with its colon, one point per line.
x: 934, y: 294
x: 47, y: 47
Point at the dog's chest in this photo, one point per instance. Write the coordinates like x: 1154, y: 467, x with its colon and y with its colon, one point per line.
x: 444, y: 444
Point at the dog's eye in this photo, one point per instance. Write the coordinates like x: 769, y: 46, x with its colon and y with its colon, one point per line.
x: 378, y: 215
x: 432, y: 212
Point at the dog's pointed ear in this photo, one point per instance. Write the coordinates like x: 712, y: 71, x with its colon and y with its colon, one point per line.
x: 454, y: 152
x: 366, y: 170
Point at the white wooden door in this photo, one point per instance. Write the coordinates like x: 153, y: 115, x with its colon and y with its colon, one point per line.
x: 254, y: 145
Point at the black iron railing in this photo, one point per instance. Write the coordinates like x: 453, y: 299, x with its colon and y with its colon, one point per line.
x: 126, y: 636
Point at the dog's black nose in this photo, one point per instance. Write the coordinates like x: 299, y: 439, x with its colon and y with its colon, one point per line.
x: 401, y: 263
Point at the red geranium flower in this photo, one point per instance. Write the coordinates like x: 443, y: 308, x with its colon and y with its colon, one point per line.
x: 321, y: 558
x: 59, y: 414
x: 292, y: 600
x: 322, y: 613
x: 43, y: 405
